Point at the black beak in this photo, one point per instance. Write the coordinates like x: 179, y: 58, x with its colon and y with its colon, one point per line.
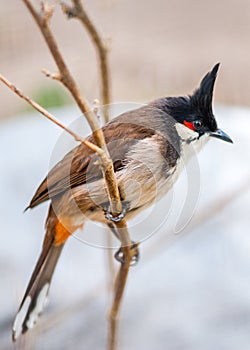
x: 220, y: 135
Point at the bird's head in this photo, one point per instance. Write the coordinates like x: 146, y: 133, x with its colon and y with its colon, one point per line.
x: 195, y: 112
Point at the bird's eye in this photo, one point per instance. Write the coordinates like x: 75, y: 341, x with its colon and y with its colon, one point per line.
x: 198, y: 124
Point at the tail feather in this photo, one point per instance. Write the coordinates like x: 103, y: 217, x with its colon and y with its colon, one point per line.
x: 37, y: 290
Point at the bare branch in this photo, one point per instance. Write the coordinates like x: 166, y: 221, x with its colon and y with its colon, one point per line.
x: 77, y: 11
x: 120, y: 284
x: 129, y: 253
x: 49, y: 116
x: 42, y: 20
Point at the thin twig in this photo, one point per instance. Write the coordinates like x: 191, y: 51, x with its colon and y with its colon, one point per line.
x: 54, y: 76
x: 119, y: 288
x: 77, y: 11
x: 49, y: 116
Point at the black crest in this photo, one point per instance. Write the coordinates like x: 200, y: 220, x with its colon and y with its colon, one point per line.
x: 202, y: 98
x: 195, y: 106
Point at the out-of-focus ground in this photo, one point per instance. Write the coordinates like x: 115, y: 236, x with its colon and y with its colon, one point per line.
x: 157, y: 48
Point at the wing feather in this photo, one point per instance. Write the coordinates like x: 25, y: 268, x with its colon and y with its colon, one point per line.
x: 80, y: 164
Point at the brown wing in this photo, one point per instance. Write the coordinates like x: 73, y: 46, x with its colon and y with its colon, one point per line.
x: 79, y: 165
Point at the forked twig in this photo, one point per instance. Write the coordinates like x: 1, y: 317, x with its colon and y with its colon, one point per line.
x: 49, y: 116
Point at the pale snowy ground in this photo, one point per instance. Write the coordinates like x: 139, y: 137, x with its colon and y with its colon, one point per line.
x: 193, y: 294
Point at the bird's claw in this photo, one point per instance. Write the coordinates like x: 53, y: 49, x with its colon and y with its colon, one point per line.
x: 110, y: 217
x: 119, y: 255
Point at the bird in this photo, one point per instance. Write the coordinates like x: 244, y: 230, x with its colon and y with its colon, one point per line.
x: 146, y: 146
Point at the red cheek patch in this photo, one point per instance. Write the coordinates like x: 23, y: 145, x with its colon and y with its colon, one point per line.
x: 189, y: 125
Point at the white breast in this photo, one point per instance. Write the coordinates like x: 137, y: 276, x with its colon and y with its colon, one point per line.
x: 146, y: 181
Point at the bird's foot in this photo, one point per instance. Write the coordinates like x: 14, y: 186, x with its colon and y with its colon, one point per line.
x: 120, y: 254
x: 118, y: 218
x: 111, y: 217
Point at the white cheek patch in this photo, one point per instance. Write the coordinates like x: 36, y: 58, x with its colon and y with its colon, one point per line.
x: 185, y: 133
x: 40, y: 303
x: 20, y: 317
x: 192, y: 143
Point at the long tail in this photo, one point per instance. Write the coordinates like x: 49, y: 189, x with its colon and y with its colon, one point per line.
x: 57, y: 232
x: 37, y: 290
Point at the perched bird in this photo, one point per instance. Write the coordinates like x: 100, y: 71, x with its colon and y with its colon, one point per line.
x: 146, y: 146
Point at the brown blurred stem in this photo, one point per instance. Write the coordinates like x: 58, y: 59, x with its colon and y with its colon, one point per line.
x: 77, y: 11
x: 119, y: 288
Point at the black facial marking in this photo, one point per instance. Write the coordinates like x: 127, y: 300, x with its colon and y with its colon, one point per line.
x: 196, y: 107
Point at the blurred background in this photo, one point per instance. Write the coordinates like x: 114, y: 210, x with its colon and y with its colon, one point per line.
x: 157, y: 48
x: 191, y: 289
